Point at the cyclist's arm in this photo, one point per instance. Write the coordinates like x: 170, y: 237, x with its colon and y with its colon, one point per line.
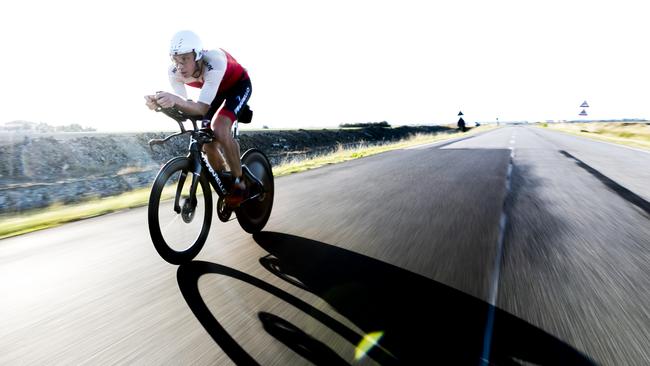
x: 177, y: 85
x: 208, y: 93
x: 187, y: 106
x: 212, y: 80
x: 192, y: 108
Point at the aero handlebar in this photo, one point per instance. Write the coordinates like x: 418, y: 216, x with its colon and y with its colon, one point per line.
x: 180, y: 117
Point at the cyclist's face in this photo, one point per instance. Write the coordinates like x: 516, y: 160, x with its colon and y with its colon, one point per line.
x: 185, y: 63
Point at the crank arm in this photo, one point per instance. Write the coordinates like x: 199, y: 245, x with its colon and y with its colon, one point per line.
x: 250, y: 198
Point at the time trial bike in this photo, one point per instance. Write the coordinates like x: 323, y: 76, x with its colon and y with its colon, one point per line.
x: 180, y: 203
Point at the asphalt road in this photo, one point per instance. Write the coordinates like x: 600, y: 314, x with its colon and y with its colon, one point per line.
x: 410, y: 248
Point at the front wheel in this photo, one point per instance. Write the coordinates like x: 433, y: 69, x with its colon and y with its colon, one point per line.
x: 178, y: 225
x: 253, y: 214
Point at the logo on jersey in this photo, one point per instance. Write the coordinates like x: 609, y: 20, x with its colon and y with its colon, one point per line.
x: 207, y: 64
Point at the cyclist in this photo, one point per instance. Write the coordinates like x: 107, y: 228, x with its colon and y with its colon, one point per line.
x: 222, y: 80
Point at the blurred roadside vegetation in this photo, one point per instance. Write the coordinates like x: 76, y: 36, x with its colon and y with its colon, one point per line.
x: 55, y: 215
x: 635, y: 134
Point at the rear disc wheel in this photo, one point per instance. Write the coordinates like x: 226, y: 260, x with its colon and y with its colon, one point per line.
x: 254, y: 214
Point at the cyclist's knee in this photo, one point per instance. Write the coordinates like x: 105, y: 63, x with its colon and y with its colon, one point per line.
x: 221, y: 127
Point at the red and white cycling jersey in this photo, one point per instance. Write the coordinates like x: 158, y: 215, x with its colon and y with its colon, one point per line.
x: 220, y: 72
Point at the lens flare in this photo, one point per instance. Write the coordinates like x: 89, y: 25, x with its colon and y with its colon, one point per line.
x: 369, y: 340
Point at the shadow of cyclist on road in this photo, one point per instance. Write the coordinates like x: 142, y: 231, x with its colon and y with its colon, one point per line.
x: 421, y: 319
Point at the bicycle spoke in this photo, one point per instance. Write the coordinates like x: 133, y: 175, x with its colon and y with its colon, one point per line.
x: 174, y: 220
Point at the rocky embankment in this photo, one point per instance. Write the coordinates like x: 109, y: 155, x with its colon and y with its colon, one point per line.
x: 37, y: 170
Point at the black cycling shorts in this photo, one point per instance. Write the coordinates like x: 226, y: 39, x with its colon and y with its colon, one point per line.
x: 233, y: 99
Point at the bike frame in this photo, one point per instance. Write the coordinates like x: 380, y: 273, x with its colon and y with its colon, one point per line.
x: 199, y: 161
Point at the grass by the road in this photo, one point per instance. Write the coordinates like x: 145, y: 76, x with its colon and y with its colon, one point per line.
x: 55, y: 215
x: 631, y: 134
x: 12, y: 225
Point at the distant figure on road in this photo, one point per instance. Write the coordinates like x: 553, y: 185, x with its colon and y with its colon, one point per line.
x: 461, y: 125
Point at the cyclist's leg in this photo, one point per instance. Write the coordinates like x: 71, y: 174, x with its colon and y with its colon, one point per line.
x: 214, y: 150
x: 235, y: 99
x: 215, y: 157
x: 221, y: 127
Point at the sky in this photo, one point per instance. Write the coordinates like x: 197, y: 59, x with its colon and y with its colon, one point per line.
x: 320, y: 64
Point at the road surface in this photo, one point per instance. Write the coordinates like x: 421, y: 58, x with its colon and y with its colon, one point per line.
x: 515, y: 246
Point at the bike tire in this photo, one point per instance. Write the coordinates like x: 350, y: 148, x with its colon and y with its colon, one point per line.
x: 254, y: 214
x: 163, y: 248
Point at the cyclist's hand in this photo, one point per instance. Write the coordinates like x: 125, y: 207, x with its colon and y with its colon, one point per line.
x: 150, y: 101
x: 167, y: 100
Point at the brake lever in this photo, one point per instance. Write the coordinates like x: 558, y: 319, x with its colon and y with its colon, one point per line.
x: 154, y: 142
x: 162, y: 141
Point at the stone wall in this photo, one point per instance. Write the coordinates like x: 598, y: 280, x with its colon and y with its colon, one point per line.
x: 37, y: 170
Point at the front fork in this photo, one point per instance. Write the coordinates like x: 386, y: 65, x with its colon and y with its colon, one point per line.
x: 179, y: 191
x: 196, y: 176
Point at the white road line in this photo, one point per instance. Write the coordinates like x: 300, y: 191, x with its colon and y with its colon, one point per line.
x: 424, y: 146
x: 496, y: 272
x: 613, y: 144
x: 452, y: 140
x: 494, y: 285
x: 603, y: 142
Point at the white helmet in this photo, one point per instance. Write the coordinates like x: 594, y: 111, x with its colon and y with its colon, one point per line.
x: 186, y: 41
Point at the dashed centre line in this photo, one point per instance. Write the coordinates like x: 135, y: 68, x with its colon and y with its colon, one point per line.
x: 496, y: 272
